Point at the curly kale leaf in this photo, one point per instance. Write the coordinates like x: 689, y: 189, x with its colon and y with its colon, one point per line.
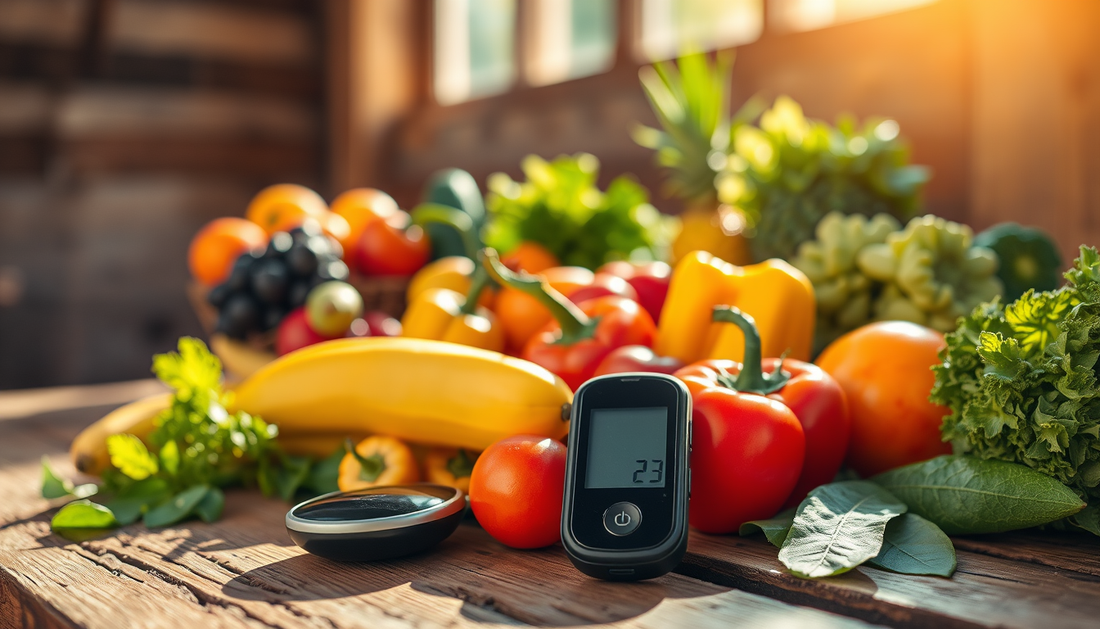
x: 1022, y: 381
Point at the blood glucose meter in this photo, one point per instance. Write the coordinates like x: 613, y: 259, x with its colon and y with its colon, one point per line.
x: 625, y: 514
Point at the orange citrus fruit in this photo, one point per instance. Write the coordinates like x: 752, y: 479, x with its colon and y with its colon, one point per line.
x: 531, y: 257
x: 218, y: 245
x: 358, y: 206
x: 284, y: 206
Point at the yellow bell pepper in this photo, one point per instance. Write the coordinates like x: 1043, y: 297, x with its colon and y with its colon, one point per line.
x: 452, y: 272
x: 445, y: 315
x: 778, y: 296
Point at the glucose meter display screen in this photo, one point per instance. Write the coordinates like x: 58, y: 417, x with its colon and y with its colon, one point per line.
x: 626, y: 448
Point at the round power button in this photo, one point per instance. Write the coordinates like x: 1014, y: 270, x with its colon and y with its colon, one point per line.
x: 622, y: 518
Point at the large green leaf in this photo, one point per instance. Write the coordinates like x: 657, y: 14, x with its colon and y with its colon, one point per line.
x: 180, y: 507
x: 964, y: 494
x: 913, y: 545
x: 837, y: 527
x: 775, y: 529
x: 83, y: 514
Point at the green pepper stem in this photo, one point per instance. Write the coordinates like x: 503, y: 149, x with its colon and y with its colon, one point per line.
x: 575, y: 325
x: 370, y: 467
x: 752, y: 378
x: 461, y: 465
x: 478, y: 283
x: 428, y: 213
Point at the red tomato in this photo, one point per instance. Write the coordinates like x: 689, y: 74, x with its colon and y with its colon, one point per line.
x: 516, y: 490
x: 390, y: 246
x: 885, y: 370
x: 637, y: 358
x: 649, y: 279
x: 747, y: 454
x: 603, y: 285
x: 294, y: 333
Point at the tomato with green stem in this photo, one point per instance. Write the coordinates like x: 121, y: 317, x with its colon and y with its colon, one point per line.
x: 576, y: 342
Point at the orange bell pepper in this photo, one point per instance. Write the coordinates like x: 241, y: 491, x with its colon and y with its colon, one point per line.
x: 776, y: 295
x: 445, y: 315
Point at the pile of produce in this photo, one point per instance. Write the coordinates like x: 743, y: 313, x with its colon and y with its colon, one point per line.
x: 789, y: 172
x: 560, y: 208
x: 870, y: 269
x: 932, y: 408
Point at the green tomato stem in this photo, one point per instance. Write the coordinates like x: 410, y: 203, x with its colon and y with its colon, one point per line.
x: 575, y: 325
x: 427, y: 213
x: 461, y: 465
x: 752, y: 378
x: 370, y: 467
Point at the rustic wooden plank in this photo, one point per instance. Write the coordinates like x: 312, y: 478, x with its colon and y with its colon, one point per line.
x: 985, y: 591
x: 209, y: 30
x: 1079, y: 552
x: 20, y: 404
x: 244, y: 571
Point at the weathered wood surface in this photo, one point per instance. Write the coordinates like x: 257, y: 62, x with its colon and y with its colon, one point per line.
x: 244, y: 570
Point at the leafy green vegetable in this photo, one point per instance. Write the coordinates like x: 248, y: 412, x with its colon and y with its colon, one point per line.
x: 560, y: 207
x: 789, y: 172
x: 913, y: 545
x: 54, y: 487
x: 131, y: 457
x: 1029, y: 258
x: 179, y: 507
x: 1021, y: 380
x: 131, y: 502
x: 83, y: 514
x: 838, y: 527
x: 964, y: 494
x: 196, y: 448
x: 775, y: 529
x: 1087, y: 519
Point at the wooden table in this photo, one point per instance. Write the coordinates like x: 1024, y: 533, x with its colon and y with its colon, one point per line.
x: 243, y: 571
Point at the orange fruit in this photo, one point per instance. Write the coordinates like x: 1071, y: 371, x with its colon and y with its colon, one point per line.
x: 285, y: 206
x: 218, y: 245
x: 531, y: 257
x: 358, y: 206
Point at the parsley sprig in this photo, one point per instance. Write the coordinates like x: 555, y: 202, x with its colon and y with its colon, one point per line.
x: 197, y: 448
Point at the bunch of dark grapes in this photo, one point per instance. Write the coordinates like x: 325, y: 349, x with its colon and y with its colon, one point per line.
x: 264, y: 286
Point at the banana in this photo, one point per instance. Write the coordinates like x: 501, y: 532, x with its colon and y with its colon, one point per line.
x: 89, y: 449
x: 424, y: 391
x: 239, y: 359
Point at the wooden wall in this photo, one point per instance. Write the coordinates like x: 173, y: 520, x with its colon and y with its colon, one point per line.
x: 124, y: 126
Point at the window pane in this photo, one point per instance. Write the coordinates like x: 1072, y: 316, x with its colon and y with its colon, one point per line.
x: 672, y: 26
x: 474, y: 48
x: 570, y: 39
x: 805, y: 15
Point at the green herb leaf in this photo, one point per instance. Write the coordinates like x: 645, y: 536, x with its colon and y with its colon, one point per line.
x: 132, y: 501
x: 913, y: 545
x: 53, y: 486
x: 83, y: 514
x: 775, y: 529
x: 1088, y: 519
x: 131, y: 457
x: 963, y: 494
x: 323, y: 475
x: 290, y: 474
x: 181, y: 506
x: 837, y: 527
x: 211, y: 506
x: 170, y: 457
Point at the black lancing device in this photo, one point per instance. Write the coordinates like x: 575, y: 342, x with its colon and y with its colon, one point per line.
x: 627, y: 478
